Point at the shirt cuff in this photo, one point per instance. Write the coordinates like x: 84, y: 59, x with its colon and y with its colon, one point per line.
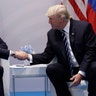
x: 82, y: 73
x: 12, y: 53
x: 30, y: 58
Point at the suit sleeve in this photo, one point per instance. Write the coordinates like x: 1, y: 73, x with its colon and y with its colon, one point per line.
x: 4, y: 52
x: 3, y: 44
x: 44, y: 57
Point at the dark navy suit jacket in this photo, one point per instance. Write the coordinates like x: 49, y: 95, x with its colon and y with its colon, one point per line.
x: 83, y: 43
x: 4, y: 52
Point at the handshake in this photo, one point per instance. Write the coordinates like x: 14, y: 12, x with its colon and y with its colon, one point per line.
x: 23, y: 53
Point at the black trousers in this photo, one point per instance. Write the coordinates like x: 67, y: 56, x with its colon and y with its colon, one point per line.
x: 58, y: 76
x: 1, y: 81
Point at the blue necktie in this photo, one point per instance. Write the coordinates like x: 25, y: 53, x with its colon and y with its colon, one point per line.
x: 68, y: 52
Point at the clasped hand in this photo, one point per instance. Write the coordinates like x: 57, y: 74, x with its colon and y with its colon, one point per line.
x: 21, y: 55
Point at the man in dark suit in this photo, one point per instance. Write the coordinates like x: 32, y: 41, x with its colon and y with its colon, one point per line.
x: 3, y: 48
x: 4, y: 53
x: 82, y: 45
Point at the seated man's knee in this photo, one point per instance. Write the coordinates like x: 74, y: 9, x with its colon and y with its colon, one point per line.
x: 50, y: 68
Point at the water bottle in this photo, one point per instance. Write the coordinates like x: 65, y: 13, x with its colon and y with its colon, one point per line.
x: 28, y: 49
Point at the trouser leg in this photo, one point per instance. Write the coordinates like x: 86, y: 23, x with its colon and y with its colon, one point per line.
x: 91, y: 76
x: 58, y: 77
x: 1, y: 81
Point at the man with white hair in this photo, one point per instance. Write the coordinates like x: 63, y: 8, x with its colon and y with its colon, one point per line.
x: 76, y: 58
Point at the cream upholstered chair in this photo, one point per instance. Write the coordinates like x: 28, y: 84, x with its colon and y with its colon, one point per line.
x: 6, y: 76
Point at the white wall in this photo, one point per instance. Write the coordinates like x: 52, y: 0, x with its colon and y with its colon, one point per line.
x: 24, y: 22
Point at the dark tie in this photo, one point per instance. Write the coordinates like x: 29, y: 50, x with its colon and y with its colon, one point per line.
x: 67, y: 51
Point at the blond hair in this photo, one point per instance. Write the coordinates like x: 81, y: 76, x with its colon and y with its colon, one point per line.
x: 58, y: 10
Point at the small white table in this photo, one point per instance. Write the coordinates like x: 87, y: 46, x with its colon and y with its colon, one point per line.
x: 19, y: 71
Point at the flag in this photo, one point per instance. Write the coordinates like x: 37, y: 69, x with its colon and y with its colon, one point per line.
x: 91, y: 13
x: 83, y: 10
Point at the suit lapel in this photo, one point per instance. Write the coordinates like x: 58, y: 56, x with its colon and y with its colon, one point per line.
x: 72, y: 33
